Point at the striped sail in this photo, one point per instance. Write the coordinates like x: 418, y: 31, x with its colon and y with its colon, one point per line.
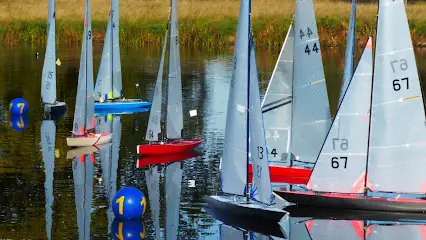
x: 325, y: 229
x: 261, y: 188
x: 349, y: 52
x: 154, y: 124
x: 103, y: 87
x: 174, y: 121
x: 84, y: 103
x: 276, y: 106
x: 397, y: 150
x: 396, y: 231
x: 234, y: 159
x: 311, y: 111
x: 48, y: 134
x: 152, y: 177
x: 173, y: 191
x: 83, y: 187
x: 48, y: 81
x: 341, y: 163
x: 117, y: 85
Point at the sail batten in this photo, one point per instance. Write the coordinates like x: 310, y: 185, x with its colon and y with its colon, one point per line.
x: 48, y: 83
x: 398, y: 132
x: 276, y: 106
x: 310, y: 107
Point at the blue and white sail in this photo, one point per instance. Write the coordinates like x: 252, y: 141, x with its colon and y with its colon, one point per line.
x: 276, y: 106
x: 84, y: 103
x: 173, y: 191
x: 235, y: 151
x: 152, y: 177
x: 397, y: 146
x: 154, y: 123
x: 174, y: 120
x: 311, y: 110
x: 48, y: 133
x: 349, y: 52
x: 48, y: 81
x: 261, y: 188
x: 340, y: 166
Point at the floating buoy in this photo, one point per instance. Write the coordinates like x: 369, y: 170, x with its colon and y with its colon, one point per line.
x: 18, y: 106
x: 129, y: 202
x: 128, y: 229
x: 18, y: 122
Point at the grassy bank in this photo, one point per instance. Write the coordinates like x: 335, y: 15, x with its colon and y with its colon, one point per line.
x: 209, y: 23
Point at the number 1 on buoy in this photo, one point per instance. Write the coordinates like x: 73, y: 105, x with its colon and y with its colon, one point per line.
x: 120, y: 202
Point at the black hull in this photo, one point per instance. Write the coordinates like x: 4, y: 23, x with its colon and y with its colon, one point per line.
x: 53, y: 112
x: 339, y: 202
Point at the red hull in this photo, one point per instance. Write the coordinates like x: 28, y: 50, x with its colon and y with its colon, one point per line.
x: 283, y: 174
x: 164, y: 159
x: 168, y: 148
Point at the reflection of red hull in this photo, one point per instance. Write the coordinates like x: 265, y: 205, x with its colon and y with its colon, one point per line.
x: 168, y: 148
x: 283, y: 174
x: 163, y: 159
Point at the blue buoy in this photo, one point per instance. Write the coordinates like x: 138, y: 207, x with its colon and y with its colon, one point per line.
x: 18, y: 122
x: 18, y: 106
x: 128, y: 229
x: 129, y: 202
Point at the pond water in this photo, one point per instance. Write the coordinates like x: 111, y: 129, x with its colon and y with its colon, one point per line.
x: 68, y: 199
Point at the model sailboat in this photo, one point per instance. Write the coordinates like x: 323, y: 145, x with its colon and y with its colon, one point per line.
x: 52, y: 107
x: 84, y: 110
x: 174, y: 142
x: 109, y: 87
x: 397, y: 136
x: 244, y: 120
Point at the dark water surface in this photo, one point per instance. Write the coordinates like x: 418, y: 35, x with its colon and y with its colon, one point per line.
x: 28, y: 208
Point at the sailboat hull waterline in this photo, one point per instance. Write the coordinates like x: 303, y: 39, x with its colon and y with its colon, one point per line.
x: 354, y: 202
x: 120, y: 104
x: 161, y: 148
x: 284, y: 174
x: 89, y: 140
x: 165, y: 159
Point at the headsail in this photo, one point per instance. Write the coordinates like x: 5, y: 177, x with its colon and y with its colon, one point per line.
x: 48, y: 132
x: 103, y: 87
x: 261, y: 188
x: 276, y: 106
x: 311, y: 111
x: 152, y: 177
x: 397, y: 147
x: 349, y: 52
x: 174, y: 121
x: 154, y: 123
x: 173, y: 191
x: 117, y: 85
x: 48, y: 82
x: 341, y: 163
x: 84, y: 103
x: 234, y: 159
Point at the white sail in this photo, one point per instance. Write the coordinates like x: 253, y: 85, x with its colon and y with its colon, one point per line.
x: 48, y: 82
x: 154, y: 123
x: 397, y: 150
x: 276, y: 106
x: 152, y: 177
x: 174, y: 120
x: 340, y: 166
x: 234, y: 159
x: 103, y: 87
x: 311, y: 111
x: 117, y: 85
x: 261, y: 188
x: 173, y: 191
x: 48, y: 133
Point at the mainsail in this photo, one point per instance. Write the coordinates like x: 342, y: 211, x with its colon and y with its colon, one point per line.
x: 154, y: 123
x: 84, y: 103
x: 48, y: 82
x: 117, y: 85
x: 103, y: 87
x: 234, y: 159
x: 341, y: 163
x: 173, y: 191
x: 311, y: 111
x: 349, y: 52
x: 276, y: 106
x: 397, y: 146
x: 174, y: 121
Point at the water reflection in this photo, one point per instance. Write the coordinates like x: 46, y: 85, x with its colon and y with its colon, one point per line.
x: 230, y: 233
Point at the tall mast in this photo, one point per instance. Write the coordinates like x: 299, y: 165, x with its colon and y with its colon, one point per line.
x: 248, y: 104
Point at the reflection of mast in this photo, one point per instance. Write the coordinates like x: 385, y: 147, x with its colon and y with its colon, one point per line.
x: 83, y: 186
x: 173, y: 191
x: 153, y: 183
x: 48, y: 131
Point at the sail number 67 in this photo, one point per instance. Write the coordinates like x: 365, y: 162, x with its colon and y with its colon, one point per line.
x: 335, y: 162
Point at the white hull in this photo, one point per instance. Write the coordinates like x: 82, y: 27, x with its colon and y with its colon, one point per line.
x: 96, y: 139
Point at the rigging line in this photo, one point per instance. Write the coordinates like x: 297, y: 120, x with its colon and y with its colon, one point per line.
x: 248, y: 104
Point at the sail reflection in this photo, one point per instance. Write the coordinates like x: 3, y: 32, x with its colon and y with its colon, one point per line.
x: 230, y: 233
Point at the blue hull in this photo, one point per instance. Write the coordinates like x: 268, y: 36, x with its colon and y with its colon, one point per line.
x: 122, y: 104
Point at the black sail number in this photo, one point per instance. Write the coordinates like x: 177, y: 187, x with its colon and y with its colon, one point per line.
x: 398, y: 82
x: 259, y: 171
x: 337, y: 161
x: 89, y: 35
x: 314, y: 48
x: 260, y: 152
x: 308, y: 32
